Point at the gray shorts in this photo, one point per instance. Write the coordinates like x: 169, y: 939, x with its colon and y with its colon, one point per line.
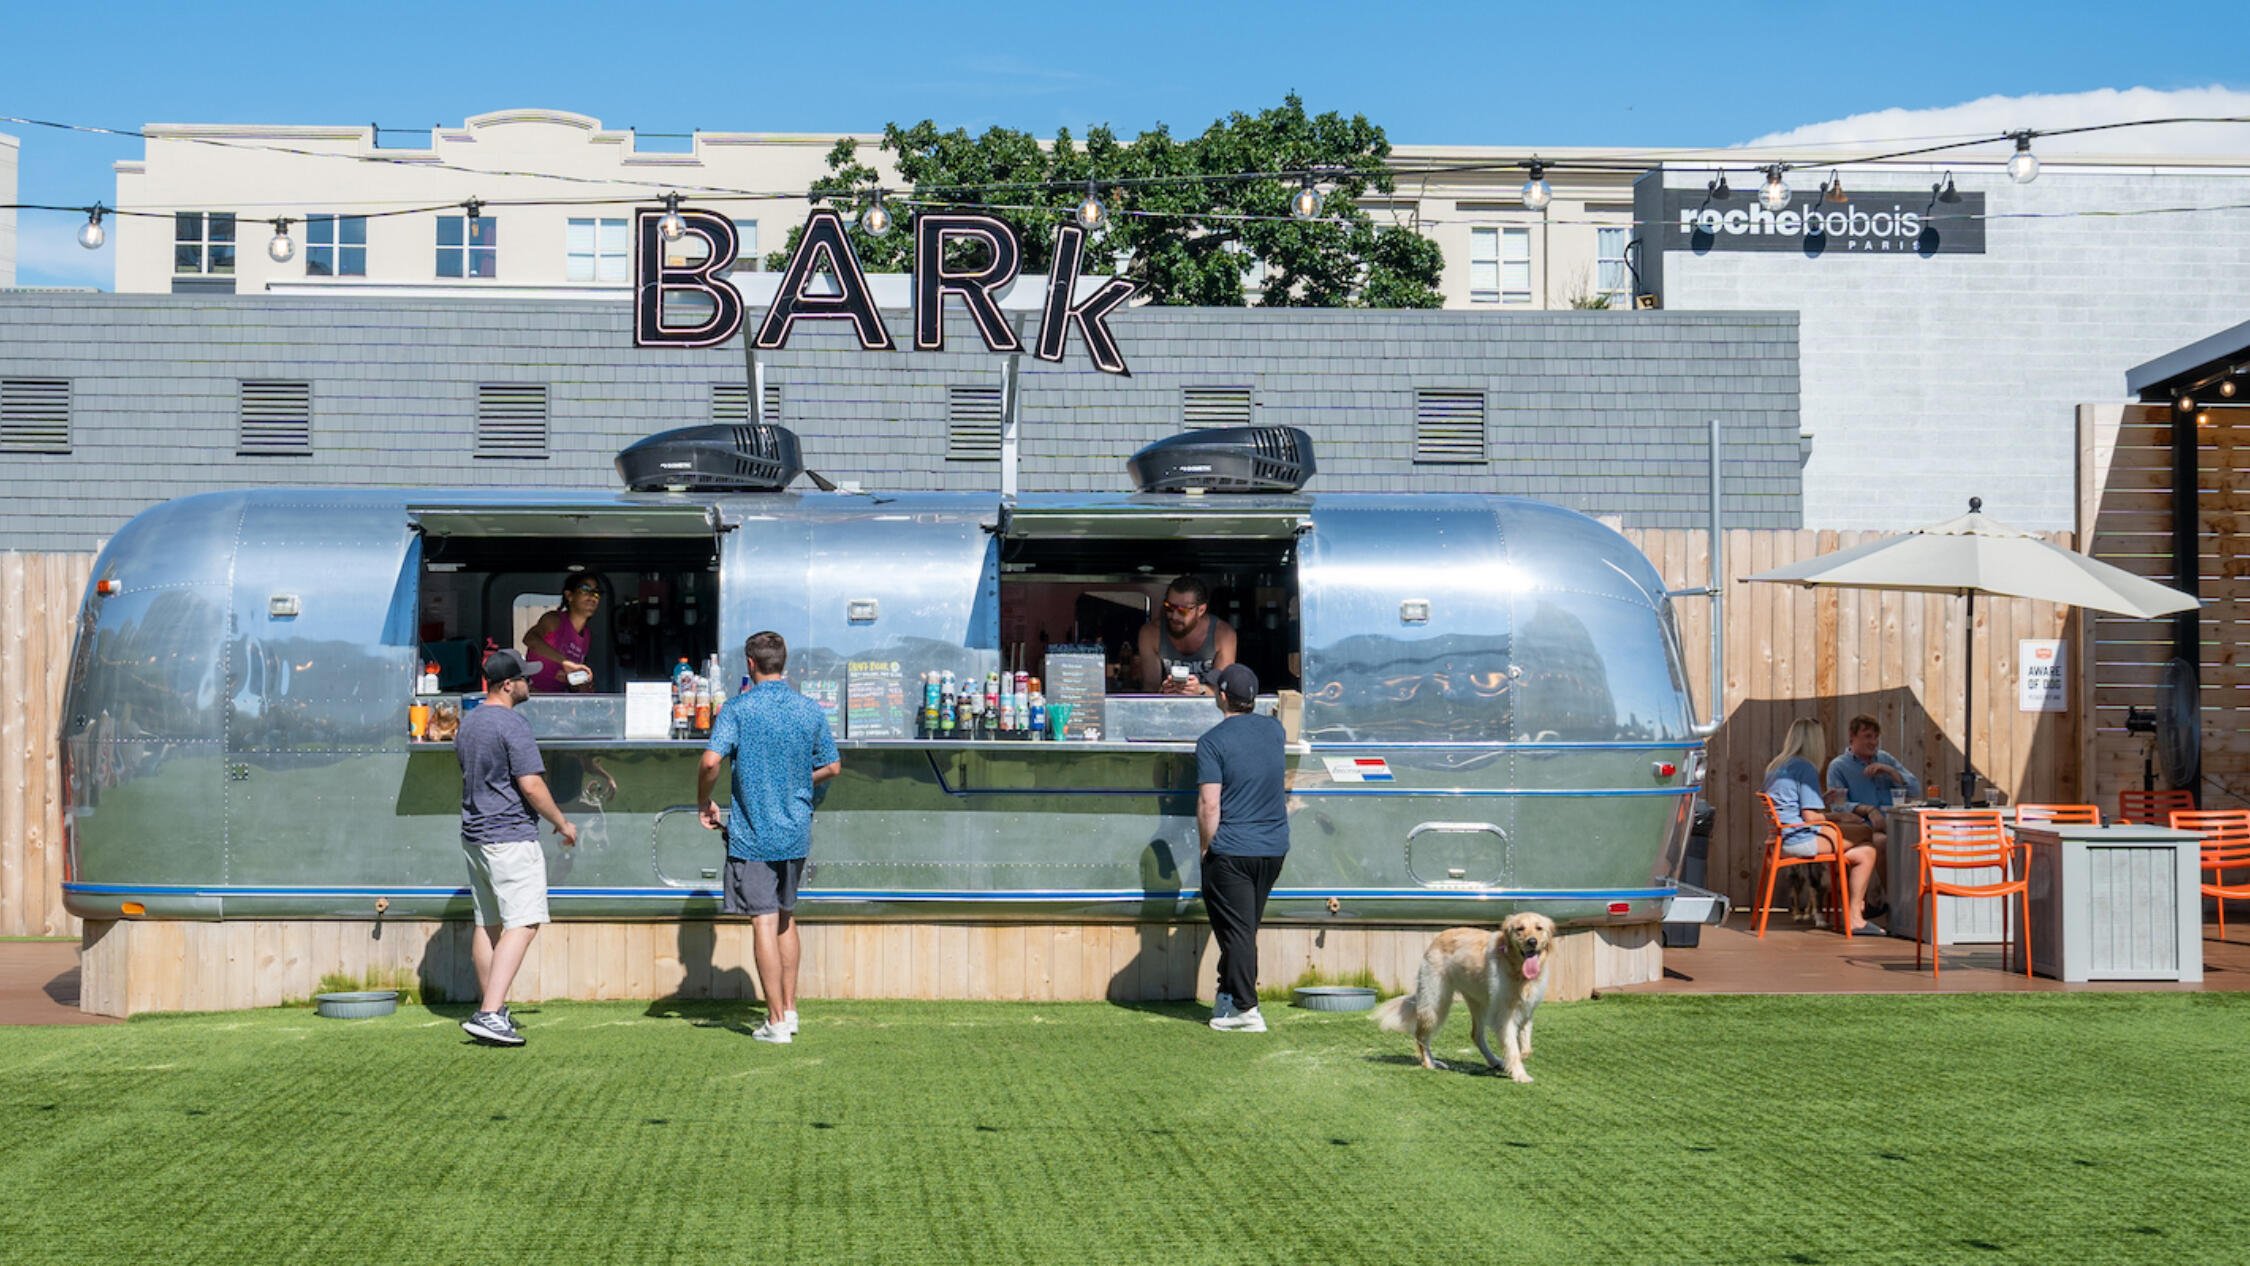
x: 755, y: 887
x: 507, y: 883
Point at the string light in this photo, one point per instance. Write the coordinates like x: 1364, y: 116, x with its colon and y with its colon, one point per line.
x: 91, y: 234
x: 1537, y: 193
x: 1775, y: 195
x: 2227, y: 389
x: 1833, y: 193
x: 1719, y: 190
x: 670, y: 226
x: 281, y: 249
x: 1092, y: 213
x: 2023, y: 165
x: 1305, y: 203
x: 875, y: 221
x: 1945, y: 191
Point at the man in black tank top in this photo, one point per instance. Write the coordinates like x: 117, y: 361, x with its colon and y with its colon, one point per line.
x: 1185, y: 635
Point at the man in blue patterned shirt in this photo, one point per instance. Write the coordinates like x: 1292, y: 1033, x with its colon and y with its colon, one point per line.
x: 782, y: 749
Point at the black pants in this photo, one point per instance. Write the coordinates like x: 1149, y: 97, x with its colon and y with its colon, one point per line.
x: 1235, y: 891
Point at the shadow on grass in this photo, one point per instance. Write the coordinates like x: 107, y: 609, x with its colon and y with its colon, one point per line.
x: 1190, y: 1012
x: 1472, y: 1067
x: 732, y: 1014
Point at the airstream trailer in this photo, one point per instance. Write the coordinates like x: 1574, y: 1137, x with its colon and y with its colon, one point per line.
x: 1494, y: 712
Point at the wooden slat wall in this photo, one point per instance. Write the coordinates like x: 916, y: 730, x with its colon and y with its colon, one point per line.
x: 39, y: 596
x: 1835, y: 653
x: 2125, y: 506
x: 128, y: 968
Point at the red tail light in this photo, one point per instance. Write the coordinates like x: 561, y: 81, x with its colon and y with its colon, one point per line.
x: 1620, y: 907
x: 106, y: 587
x: 1665, y: 769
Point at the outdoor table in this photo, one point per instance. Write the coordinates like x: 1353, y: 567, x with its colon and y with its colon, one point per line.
x: 2115, y: 902
x: 1960, y: 920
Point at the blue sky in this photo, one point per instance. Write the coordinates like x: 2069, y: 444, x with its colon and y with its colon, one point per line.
x: 1463, y: 73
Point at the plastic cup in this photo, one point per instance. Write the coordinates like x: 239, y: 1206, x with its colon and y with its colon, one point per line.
x: 418, y: 719
x: 1058, y: 718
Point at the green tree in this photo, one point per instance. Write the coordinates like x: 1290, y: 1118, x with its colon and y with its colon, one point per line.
x: 1186, y: 241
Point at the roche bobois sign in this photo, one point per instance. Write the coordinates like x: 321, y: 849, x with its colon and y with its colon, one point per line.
x: 1878, y: 222
x: 825, y: 250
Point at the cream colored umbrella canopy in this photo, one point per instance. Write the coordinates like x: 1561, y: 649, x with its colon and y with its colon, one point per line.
x: 1972, y: 555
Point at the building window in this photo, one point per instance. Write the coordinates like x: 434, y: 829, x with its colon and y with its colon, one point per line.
x: 600, y: 250
x: 335, y: 246
x: 1500, y: 265
x: 1612, y: 279
x: 746, y: 258
x: 468, y: 248
x: 203, y: 242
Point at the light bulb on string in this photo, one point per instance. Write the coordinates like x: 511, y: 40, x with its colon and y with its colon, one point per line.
x: 2227, y: 389
x: 671, y: 226
x: 1833, y: 193
x: 1537, y: 193
x: 2023, y: 165
x: 91, y: 234
x: 1719, y: 190
x: 282, y: 248
x: 1092, y: 213
x: 1305, y: 203
x: 1774, y: 196
x: 875, y: 221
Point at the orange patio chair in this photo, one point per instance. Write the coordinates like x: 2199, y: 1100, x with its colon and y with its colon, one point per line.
x: 1966, y: 839
x: 1831, y: 854
x: 2152, y: 808
x: 2226, y: 846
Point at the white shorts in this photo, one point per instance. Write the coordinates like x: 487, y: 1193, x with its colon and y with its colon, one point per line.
x: 508, y: 883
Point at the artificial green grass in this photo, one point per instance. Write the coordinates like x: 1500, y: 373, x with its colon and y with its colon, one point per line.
x: 2023, y: 1128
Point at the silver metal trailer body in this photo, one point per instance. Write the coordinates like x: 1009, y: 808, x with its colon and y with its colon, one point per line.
x: 1495, y: 714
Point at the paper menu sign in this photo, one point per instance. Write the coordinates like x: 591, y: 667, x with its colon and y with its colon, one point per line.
x: 648, y: 710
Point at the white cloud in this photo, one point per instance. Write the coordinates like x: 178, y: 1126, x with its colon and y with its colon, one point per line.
x: 2043, y: 112
x: 48, y: 253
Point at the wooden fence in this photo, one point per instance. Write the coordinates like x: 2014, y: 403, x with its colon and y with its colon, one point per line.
x: 1790, y: 652
x: 38, y: 602
x: 1837, y: 653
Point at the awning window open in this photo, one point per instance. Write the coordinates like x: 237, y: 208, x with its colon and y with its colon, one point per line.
x: 1185, y: 520
x: 551, y: 522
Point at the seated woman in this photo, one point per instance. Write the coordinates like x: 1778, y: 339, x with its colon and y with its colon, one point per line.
x: 1793, y: 780
x: 557, y: 645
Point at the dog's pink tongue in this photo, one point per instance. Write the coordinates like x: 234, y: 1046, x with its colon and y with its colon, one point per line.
x: 1531, y: 968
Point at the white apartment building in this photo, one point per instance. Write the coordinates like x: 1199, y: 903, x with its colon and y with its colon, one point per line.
x: 383, y: 218
x: 8, y: 148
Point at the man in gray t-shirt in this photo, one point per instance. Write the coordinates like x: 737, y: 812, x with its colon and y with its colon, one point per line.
x: 1242, y: 813
x: 503, y: 796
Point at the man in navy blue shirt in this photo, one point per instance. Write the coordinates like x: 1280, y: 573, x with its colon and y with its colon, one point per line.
x: 1242, y: 813
x: 782, y: 748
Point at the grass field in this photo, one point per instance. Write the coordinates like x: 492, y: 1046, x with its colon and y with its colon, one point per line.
x: 2034, y: 1128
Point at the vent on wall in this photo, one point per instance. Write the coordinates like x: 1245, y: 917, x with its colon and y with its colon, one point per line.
x: 511, y: 420
x: 274, y: 419
x: 34, y: 415
x: 1205, y: 407
x: 1449, y: 426
x: 730, y: 402
x: 972, y: 424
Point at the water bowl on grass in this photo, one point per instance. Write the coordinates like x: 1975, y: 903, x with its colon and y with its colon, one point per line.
x: 356, y: 1006
x: 1335, y: 998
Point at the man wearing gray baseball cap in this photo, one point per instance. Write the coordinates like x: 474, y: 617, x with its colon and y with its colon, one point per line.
x: 503, y: 783
x: 1242, y: 813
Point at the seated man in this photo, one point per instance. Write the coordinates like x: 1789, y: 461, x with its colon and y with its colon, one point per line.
x: 1861, y: 779
x: 1182, y: 651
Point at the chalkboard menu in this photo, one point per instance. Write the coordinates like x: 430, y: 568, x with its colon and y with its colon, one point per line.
x: 1076, y: 680
x: 828, y: 692
x: 875, y: 700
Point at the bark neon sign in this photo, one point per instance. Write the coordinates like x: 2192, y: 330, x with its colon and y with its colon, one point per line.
x: 826, y: 248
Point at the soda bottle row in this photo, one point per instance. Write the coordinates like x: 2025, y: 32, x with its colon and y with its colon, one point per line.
x: 1002, y: 706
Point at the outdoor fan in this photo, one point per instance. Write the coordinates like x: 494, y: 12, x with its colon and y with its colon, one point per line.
x: 2179, y: 726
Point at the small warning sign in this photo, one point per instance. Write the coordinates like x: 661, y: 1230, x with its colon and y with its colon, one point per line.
x: 1357, y: 768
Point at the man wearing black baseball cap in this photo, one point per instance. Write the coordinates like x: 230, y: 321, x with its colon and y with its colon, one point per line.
x: 503, y: 783
x: 1242, y: 812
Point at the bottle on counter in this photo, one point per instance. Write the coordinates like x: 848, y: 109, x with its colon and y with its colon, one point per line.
x: 702, y: 708
x: 947, y: 703
x: 1038, y: 715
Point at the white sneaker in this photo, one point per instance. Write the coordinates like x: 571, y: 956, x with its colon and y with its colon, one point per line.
x: 789, y: 1022
x: 772, y: 1032
x: 1240, y: 1022
x: 1223, y: 1006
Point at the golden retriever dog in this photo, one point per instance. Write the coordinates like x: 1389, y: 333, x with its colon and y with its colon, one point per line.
x: 1498, y: 973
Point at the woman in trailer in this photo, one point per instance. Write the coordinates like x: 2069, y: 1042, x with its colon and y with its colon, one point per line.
x: 558, y: 644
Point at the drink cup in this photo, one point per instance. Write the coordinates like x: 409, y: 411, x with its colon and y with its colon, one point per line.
x: 417, y: 719
x: 1058, y: 718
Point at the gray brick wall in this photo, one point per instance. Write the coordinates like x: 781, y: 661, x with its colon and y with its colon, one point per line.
x: 1602, y: 412
x: 1929, y: 381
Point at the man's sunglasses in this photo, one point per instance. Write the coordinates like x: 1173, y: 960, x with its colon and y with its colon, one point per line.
x: 1177, y: 609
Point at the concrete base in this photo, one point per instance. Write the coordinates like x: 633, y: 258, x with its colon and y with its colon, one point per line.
x: 135, y: 966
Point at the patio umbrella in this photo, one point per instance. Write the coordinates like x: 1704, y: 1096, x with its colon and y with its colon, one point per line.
x: 1972, y: 555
